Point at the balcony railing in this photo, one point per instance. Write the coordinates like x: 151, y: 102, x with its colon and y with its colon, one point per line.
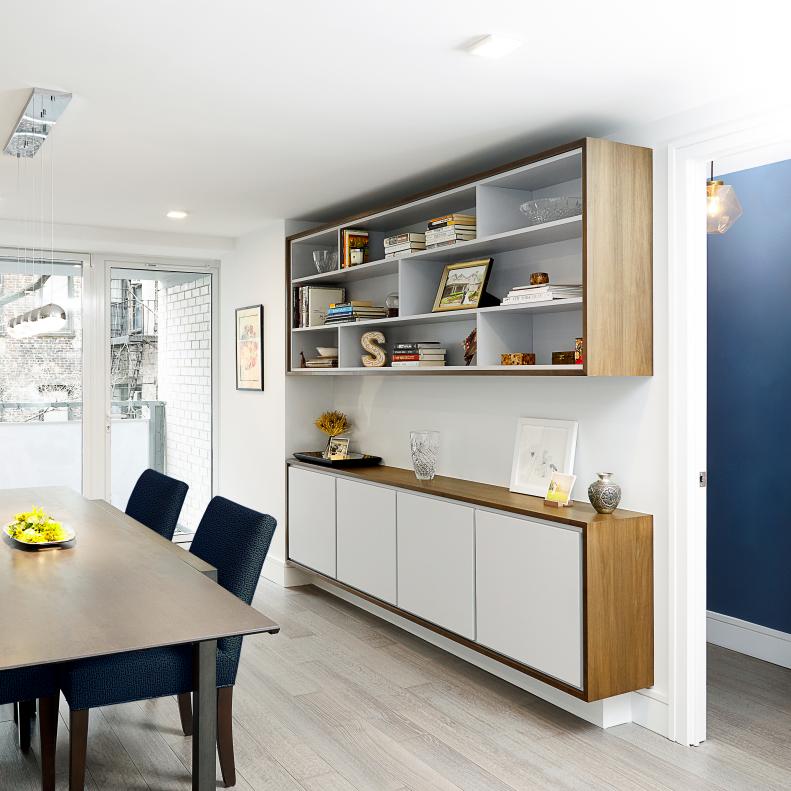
x: 15, y: 415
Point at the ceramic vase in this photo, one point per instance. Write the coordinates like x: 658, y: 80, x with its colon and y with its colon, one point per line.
x: 604, y: 494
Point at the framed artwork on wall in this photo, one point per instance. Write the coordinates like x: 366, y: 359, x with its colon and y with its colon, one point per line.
x: 250, y: 348
x: 542, y: 447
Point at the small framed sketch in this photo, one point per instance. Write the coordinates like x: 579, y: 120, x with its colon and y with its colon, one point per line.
x: 542, y: 447
x: 338, y: 448
x: 462, y: 286
x: 250, y: 348
x: 560, y: 486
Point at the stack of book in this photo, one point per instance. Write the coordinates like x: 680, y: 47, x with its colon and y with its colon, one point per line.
x: 355, y: 310
x: 354, y: 247
x: 418, y: 354
x: 545, y: 292
x: 449, y: 229
x: 404, y: 244
x: 312, y: 304
x: 322, y: 362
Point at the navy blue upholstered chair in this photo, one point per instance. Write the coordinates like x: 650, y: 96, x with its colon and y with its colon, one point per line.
x: 22, y: 687
x: 156, y: 501
x: 233, y: 539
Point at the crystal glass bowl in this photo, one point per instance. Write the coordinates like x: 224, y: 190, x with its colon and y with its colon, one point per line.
x: 325, y: 260
x: 550, y: 209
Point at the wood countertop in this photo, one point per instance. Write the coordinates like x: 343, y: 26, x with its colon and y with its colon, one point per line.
x: 483, y: 495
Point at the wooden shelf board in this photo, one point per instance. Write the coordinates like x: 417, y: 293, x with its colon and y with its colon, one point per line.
x: 518, y: 239
x: 483, y: 495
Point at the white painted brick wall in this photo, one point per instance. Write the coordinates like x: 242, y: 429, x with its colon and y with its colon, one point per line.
x: 185, y: 384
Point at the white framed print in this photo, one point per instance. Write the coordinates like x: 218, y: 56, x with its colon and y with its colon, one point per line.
x: 542, y: 447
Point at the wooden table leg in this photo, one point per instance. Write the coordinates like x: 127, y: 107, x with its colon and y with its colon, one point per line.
x: 204, y: 716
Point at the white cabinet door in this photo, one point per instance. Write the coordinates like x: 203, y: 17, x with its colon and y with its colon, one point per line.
x: 311, y: 519
x: 367, y: 538
x: 529, y: 593
x: 436, y: 562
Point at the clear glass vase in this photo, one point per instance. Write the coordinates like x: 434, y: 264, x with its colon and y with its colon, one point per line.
x: 424, y: 446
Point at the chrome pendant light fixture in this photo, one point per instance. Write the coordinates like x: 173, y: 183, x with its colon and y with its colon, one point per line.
x: 722, y: 205
x: 33, y: 128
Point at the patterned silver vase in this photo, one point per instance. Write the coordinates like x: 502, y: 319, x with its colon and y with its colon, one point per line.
x: 604, y: 494
x: 424, y: 446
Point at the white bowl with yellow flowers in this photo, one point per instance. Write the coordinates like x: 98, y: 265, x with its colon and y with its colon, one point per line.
x: 38, y: 530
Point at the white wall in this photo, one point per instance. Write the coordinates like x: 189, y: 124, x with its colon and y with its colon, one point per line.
x: 253, y: 446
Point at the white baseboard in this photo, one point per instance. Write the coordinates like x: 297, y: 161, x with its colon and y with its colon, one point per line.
x: 650, y: 709
x: 277, y: 570
x: 748, y: 638
x: 604, y: 713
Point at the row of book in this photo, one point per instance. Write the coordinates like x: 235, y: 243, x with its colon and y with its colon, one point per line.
x: 418, y: 354
x: 312, y: 304
x: 354, y: 310
x: 521, y: 295
x: 440, y: 232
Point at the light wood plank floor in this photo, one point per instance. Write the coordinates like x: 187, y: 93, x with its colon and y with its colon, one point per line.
x: 341, y: 701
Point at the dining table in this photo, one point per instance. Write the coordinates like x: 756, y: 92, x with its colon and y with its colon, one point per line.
x: 118, y: 586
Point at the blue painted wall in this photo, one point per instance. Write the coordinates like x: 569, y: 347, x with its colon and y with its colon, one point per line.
x: 749, y: 404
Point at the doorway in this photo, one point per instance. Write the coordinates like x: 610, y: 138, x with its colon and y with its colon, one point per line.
x: 161, y: 389
x: 749, y: 142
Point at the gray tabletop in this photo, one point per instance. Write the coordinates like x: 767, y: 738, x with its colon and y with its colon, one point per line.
x: 121, y: 587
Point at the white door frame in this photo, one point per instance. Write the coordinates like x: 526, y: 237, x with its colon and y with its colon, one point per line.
x: 760, y: 140
x: 102, y: 387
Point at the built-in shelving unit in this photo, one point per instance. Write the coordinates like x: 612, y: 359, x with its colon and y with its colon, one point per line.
x: 607, y: 249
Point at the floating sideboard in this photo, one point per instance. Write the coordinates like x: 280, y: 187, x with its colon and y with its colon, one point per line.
x: 607, y: 249
x: 563, y: 595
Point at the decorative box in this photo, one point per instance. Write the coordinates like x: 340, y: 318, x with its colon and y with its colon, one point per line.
x: 563, y: 358
x: 518, y: 358
x: 579, y: 357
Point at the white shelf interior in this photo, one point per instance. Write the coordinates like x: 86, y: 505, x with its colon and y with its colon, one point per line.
x: 516, y: 249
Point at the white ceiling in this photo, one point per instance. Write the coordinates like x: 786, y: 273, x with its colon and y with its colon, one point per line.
x: 241, y: 111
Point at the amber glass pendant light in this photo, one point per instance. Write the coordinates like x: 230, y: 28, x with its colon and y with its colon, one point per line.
x: 722, y: 205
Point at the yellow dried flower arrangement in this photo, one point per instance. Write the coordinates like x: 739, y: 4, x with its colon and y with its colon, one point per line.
x: 332, y: 424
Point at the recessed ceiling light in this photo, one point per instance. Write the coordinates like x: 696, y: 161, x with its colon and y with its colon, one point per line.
x: 177, y: 214
x: 493, y: 46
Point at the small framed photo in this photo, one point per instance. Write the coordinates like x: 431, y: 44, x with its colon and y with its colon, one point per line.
x: 542, y: 448
x: 560, y: 486
x: 338, y: 448
x: 250, y: 348
x: 463, y: 286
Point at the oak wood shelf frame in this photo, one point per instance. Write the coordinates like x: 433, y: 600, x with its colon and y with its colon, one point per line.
x: 617, y: 577
x: 616, y: 241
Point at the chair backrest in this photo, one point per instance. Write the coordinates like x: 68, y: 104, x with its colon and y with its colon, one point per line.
x: 235, y: 540
x: 156, y: 501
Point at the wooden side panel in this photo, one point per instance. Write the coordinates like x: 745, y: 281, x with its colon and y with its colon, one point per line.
x: 618, y: 248
x: 619, y: 571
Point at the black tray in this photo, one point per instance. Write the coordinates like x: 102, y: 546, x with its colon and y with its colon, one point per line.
x: 352, y: 460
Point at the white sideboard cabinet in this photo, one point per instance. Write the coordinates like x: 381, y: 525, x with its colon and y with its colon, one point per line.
x: 563, y: 595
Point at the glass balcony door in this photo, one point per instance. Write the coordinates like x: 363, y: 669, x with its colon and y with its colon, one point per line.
x: 160, y: 385
x: 41, y: 370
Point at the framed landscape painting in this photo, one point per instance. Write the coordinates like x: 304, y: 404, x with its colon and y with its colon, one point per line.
x: 250, y: 348
x: 462, y: 286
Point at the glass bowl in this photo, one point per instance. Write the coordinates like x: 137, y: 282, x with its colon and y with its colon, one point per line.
x: 325, y: 260
x: 550, y: 209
